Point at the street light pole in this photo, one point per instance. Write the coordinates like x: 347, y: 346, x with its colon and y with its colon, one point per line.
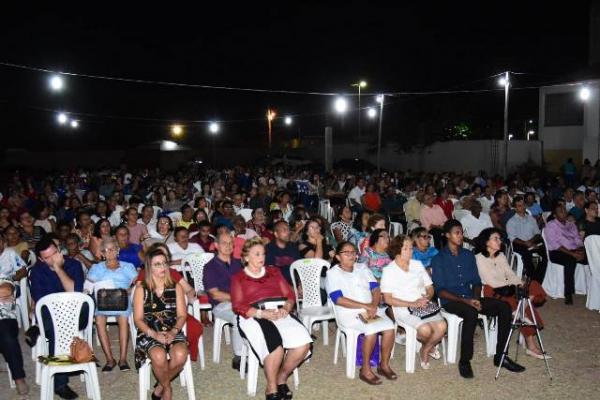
x: 506, y: 81
x: 359, y: 85
x: 380, y: 99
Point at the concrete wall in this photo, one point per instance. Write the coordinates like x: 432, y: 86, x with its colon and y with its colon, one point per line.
x: 578, y: 142
x: 466, y: 156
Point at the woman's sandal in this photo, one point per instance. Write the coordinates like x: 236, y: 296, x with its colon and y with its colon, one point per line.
x: 391, y: 375
x: 371, y: 381
x: 284, y: 392
x: 153, y: 395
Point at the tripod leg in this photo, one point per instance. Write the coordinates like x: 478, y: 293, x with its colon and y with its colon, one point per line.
x: 513, y: 326
x: 539, y: 338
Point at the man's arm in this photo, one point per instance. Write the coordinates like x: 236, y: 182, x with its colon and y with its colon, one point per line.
x: 218, y: 295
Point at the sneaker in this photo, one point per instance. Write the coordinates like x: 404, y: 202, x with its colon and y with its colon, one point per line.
x: 401, y: 339
x: 65, y: 392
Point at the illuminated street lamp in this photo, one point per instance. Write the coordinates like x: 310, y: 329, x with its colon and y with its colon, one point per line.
x: 340, y: 105
x: 56, y: 83
x: 176, y: 130
x: 62, y: 118
x: 288, y: 120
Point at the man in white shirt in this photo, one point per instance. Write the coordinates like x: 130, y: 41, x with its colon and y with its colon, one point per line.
x: 182, y: 246
x: 486, y: 199
x: 355, y: 195
x: 474, y: 222
x: 147, y: 218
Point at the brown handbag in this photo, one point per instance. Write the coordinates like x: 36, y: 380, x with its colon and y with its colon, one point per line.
x: 81, y: 352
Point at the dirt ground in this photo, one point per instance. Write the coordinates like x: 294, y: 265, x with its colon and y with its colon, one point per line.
x: 572, y: 337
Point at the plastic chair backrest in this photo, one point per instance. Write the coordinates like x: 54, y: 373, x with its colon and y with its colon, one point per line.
x: 64, y: 309
x: 246, y: 213
x: 395, y: 229
x: 197, y: 262
x: 324, y: 208
x: 545, y: 244
x: 592, y: 249
x: 309, y: 271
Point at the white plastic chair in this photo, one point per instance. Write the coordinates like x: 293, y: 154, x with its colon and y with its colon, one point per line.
x: 592, y: 248
x: 246, y: 213
x: 196, y: 263
x: 412, y: 347
x: 395, y: 229
x: 348, y: 345
x: 186, y: 378
x: 64, y: 309
x: 23, y: 302
x: 324, y: 208
x: 253, y: 366
x: 311, y: 310
x: 554, y: 281
x: 220, y: 326
x: 454, y: 331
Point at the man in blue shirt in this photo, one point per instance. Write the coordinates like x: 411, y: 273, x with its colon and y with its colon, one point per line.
x: 54, y: 273
x: 217, y: 281
x: 457, y: 284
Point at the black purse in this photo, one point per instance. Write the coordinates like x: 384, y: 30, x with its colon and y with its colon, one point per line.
x: 505, y: 291
x: 112, y: 300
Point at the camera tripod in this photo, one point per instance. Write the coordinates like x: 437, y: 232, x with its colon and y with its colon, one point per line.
x: 519, y: 321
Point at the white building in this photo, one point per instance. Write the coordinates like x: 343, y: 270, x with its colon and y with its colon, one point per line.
x: 569, y: 126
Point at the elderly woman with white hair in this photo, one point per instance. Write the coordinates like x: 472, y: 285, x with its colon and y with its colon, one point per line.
x: 114, y: 274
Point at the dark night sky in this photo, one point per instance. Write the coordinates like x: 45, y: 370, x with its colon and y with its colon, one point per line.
x: 296, y: 47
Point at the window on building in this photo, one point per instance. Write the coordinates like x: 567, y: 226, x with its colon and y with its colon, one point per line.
x: 563, y: 109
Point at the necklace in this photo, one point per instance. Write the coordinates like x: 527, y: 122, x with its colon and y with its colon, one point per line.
x: 260, y: 273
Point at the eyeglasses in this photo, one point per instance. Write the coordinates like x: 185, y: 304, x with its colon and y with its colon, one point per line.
x: 160, y: 265
x: 425, y: 236
x: 349, y: 252
x: 111, y: 249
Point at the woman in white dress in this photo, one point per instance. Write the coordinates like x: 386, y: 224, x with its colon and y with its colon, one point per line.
x: 405, y: 283
x: 355, y: 291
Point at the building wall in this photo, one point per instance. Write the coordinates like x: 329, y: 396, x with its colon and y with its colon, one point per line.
x: 577, y: 142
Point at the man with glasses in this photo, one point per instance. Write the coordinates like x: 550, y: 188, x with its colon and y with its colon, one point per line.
x: 217, y: 281
x: 526, y: 238
x: 54, y: 273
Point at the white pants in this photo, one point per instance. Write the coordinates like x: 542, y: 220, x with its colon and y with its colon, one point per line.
x: 287, y: 332
x: 224, y: 311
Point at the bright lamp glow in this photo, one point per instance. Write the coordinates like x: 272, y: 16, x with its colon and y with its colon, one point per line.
x: 503, y: 81
x: 176, y: 130
x: 379, y: 98
x: 288, y: 120
x: 510, y: 136
x: 213, y: 127
x: 362, y: 84
x: 167, y: 145
x: 531, y: 133
x: 62, y: 118
x: 584, y: 93
x: 74, y: 124
x: 56, y: 83
x: 340, y: 105
x: 371, y: 113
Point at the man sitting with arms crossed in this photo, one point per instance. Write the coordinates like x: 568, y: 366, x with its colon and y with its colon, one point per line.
x: 217, y: 281
x: 457, y: 284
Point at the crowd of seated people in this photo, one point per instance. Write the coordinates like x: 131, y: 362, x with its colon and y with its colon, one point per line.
x: 108, y: 224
